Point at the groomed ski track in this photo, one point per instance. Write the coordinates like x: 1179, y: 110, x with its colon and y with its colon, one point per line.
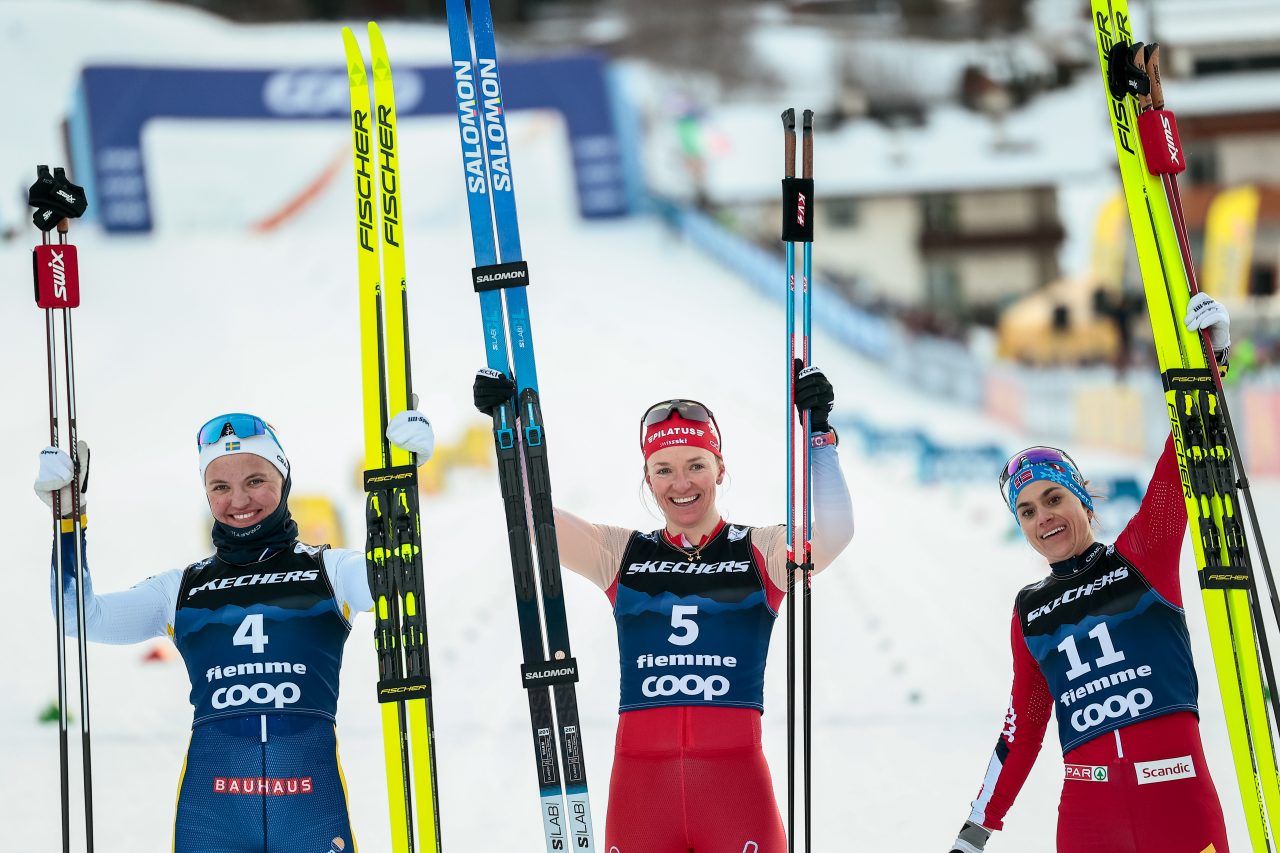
x: 911, y: 624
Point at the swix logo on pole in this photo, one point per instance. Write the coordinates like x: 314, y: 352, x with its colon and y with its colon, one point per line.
x: 57, y: 275
x: 1169, y: 140
x: 472, y: 154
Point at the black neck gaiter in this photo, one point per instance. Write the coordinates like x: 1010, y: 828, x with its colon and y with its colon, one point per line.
x: 1074, y: 565
x: 241, y: 546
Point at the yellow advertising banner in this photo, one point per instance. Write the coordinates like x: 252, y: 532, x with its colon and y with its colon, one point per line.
x: 1228, y: 242
x: 1111, y: 243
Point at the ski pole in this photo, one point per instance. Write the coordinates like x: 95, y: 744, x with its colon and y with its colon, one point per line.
x: 804, y: 220
x: 789, y: 170
x: 1151, y: 65
x: 57, y: 288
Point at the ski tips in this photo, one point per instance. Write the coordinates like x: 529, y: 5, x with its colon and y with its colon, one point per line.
x: 808, y: 121
x: 381, y: 66
x: 789, y: 119
x: 355, y: 59
x: 375, y: 37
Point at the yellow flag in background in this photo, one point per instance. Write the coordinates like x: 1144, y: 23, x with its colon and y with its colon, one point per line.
x: 1228, y: 242
x: 1111, y: 243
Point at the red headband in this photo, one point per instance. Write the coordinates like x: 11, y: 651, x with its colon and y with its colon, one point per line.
x: 675, y: 431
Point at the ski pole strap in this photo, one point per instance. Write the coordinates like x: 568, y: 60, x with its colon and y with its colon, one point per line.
x: 797, y: 216
x: 546, y: 673
x: 824, y: 439
x: 792, y: 565
x: 404, y: 689
x: 500, y: 276
x: 399, y: 477
x: 1125, y: 74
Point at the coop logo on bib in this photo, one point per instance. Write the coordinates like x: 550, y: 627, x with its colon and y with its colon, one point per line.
x: 689, y: 685
x: 262, y: 693
x: 1112, y: 708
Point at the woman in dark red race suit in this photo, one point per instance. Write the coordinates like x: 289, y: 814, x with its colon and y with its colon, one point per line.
x: 1102, y: 644
x: 695, y: 602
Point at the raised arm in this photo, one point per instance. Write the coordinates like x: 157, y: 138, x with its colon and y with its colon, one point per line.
x: 1152, y: 540
x: 832, y: 519
x: 117, y: 618
x: 591, y: 550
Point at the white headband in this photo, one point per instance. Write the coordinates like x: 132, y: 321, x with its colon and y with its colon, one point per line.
x: 264, y: 446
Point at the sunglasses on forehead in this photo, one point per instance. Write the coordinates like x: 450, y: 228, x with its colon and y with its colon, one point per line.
x: 1023, y: 459
x: 690, y: 410
x: 238, y: 424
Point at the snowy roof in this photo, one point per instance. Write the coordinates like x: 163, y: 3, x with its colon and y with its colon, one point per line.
x: 1187, y: 23
x: 1221, y: 94
x: 1058, y: 137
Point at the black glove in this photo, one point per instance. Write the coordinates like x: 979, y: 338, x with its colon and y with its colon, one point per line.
x: 491, y: 389
x: 55, y: 198
x: 815, y: 395
x: 972, y: 838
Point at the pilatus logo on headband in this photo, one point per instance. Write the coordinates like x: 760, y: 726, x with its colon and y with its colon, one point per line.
x: 674, y: 431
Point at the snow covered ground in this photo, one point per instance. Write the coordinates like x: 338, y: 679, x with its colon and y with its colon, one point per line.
x: 911, y: 627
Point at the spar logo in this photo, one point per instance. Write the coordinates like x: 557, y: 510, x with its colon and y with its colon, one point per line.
x: 1085, y: 773
x: 688, y: 685
x: 1166, y: 770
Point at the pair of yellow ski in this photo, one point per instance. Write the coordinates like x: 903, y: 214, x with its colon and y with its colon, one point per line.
x: 393, y: 545
x: 1197, y: 413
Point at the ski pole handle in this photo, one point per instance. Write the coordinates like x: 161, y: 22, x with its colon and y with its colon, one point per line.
x: 807, y: 155
x: 789, y: 145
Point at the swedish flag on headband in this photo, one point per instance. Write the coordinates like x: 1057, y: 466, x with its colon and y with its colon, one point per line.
x: 233, y: 445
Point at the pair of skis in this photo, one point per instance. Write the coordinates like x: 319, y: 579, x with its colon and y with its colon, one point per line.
x: 393, y: 545
x: 1150, y: 157
x: 797, y: 228
x: 500, y: 278
x: 57, y: 288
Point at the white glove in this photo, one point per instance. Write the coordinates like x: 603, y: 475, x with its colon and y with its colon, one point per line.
x: 56, y: 472
x: 972, y: 838
x: 1205, y: 312
x: 410, y: 430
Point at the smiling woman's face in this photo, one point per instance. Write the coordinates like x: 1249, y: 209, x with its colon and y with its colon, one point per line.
x: 1054, y: 521
x: 683, y: 480
x: 243, y: 489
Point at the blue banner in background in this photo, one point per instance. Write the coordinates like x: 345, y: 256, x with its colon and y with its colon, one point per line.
x: 114, y: 103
